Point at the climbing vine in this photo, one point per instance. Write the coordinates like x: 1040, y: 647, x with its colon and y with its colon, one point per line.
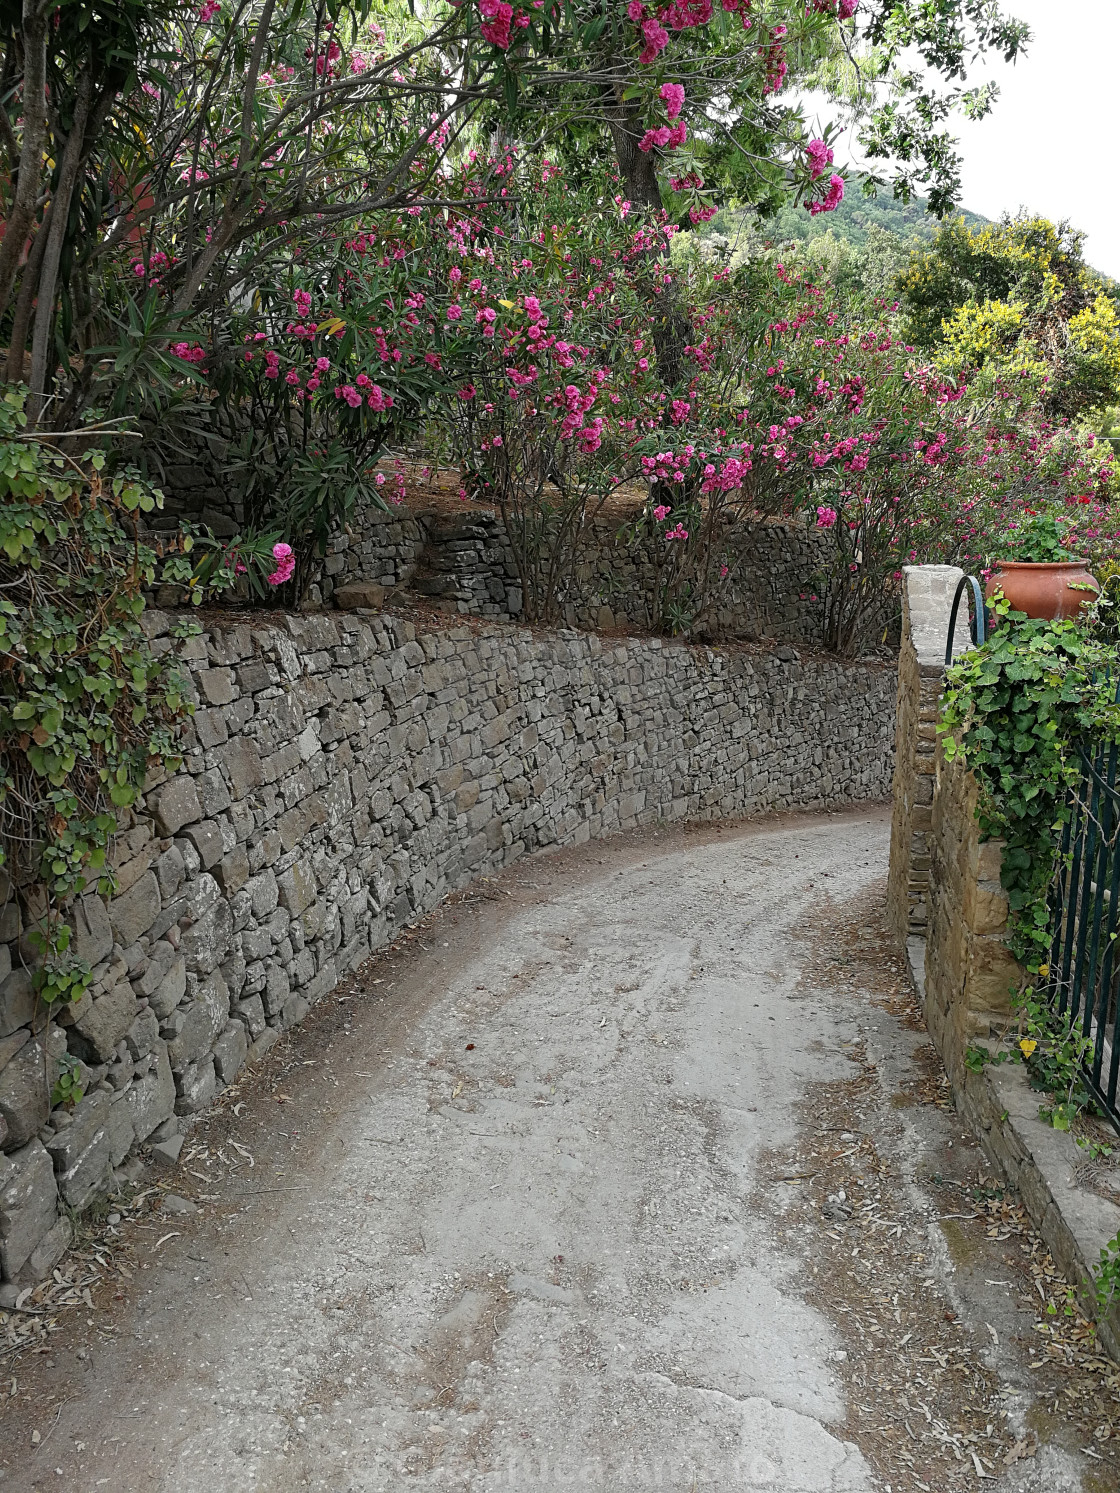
x: 1014, y: 710
x: 87, y: 706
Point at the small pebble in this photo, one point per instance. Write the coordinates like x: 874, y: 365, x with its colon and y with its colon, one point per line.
x: 113, y: 1220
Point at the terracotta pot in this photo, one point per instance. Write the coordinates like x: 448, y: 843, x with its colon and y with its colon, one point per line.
x: 1056, y: 589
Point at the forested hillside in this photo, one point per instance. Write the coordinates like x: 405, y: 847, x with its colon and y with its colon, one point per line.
x: 851, y: 221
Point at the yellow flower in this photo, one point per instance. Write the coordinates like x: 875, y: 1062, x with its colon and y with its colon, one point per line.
x: 1027, y: 1046
x: 1044, y: 970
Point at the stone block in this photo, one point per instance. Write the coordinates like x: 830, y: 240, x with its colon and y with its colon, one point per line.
x: 264, y: 894
x: 233, y: 973
x: 242, y: 761
x: 359, y: 596
x: 171, y: 989
x: 466, y: 797
x: 200, y: 1022
x: 17, y: 1002
x: 988, y: 861
x: 103, y: 1023
x: 210, y: 727
x: 28, y: 1205
x: 267, y: 1040
x: 25, y: 1086
x: 297, y: 888
x: 196, y: 1086
x: 233, y: 870
x: 133, y: 913
x: 985, y: 906
x: 9, y: 1046
x: 175, y: 804
x: 992, y: 975
x: 170, y: 872
x: 206, y: 837
x: 130, y: 871
x: 206, y: 942
x: 216, y: 685
x: 93, y: 932
x: 229, y: 1051
x: 121, y: 1136
x: 160, y: 961
x: 250, y: 1013
x: 85, y: 1120
x: 50, y: 1249
x: 151, y: 1099
x: 143, y: 1034
x: 89, y: 1173
x: 277, y: 989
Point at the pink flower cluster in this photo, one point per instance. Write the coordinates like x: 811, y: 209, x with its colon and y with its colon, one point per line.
x: 826, y: 517
x: 654, y: 36
x: 832, y: 198
x: 364, y: 390
x: 208, y: 9
x: 680, y: 15
x: 188, y: 353
x: 497, y: 18
x: 285, y: 564
x: 820, y: 158
x: 673, y: 96
x: 664, y: 136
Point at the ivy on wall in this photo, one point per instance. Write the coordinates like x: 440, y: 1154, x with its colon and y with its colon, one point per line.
x: 1014, y: 710
x: 87, y: 706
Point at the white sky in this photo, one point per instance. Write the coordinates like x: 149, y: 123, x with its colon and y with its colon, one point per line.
x: 1049, y: 143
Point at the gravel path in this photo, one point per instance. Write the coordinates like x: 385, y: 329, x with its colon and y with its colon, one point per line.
x: 554, y: 1204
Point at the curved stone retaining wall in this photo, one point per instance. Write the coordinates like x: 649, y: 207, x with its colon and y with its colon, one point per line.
x: 342, y: 774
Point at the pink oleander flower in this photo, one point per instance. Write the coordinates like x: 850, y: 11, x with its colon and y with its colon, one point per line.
x: 832, y: 199
x: 680, y: 532
x: 208, y: 8
x: 662, y: 511
x: 820, y: 158
x: 656, y: 39
x: 497, y: 18
x: 285, y: 564
x: 826, y: 517
x: 673, y: 95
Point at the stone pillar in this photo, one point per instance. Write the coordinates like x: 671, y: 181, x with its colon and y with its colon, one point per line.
x: 969, y: 971
x: 927, y: 599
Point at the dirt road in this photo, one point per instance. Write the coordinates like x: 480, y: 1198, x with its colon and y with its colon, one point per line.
x: 633, y: 1171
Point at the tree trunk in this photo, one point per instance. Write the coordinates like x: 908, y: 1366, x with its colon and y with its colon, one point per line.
x: 669, y: 321
x: 69, y: 167
x: 22, y: 212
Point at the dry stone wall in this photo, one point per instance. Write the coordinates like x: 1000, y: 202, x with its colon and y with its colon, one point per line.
x: 464, y: 561
x: 342, y: 774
